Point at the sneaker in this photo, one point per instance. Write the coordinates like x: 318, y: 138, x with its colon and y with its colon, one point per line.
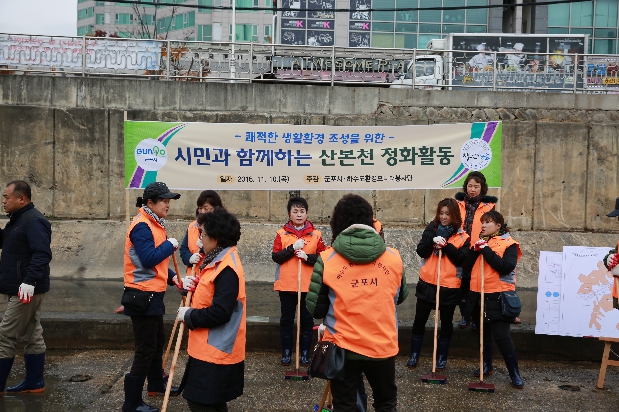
x: 463, y: 324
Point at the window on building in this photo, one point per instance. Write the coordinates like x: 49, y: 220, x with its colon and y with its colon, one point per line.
x: 84, y: 1
x: 86, y: 13
x: 245, y: 4
x: 268, y: 4
x: 582, y: 14
x: 205, y: 3
x: 84, y: 30
x: 100, y: 19
x: 123, y: 18
x: 268, y: 33
x: 205, y: 32
x: 146, y: 19
x: 606, y: 13
x: 245, y: 32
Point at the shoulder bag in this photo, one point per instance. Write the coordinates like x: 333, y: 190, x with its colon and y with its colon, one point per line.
x: 136, y: 299
x: 510, y: 304
x: 327, y: 362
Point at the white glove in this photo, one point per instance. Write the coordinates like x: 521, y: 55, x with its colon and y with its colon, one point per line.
x: 180, y: 314
x: 615, y: 271
x: 298, y: 244
x: 199, y: 244
x: 612, y: 260
x: 25, y: 293
x: 301, y: 254
x: 195, y: 258
x: 321, y: 331
x: 174, y: 242
x: 190, y: 283
x: 439, y: 242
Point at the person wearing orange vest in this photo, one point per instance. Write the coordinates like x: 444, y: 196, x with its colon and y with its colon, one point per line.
x: 190, y: 247
x: 473, y: 203
x: 378, y: 226
x: 298, y: 239
x: 146, y: 259
x: 501, y: 254
x: 356, y: 285
x: 611, y: 260
x: 215, y: 370
x: 443, y: 233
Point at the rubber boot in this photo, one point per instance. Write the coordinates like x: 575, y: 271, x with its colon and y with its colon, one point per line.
x: 133, y: 395
x: 34, y: 375
x: 512, y: 367
x: 416, y: 341
x: 442, y: 350
x: 487, y: 361
x: 305, y: 343
x: 286, y: 349
x: 157, y: 382
x: 5, y: 368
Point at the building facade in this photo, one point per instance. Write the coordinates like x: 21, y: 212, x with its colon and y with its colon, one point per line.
x: 314, y: 22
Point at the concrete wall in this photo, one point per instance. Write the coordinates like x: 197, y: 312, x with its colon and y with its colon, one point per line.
x: 64, y: 135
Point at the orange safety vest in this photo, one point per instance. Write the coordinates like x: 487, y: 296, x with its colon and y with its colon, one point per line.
x: 476, y: 227
x: 492, y: 281
x: 615, y: 281
x: 136, y: 276
x: 451, y: 276
x: 193, y: 234
x: 362, y: 317
x: 223, y: 344
x: 286, y: 274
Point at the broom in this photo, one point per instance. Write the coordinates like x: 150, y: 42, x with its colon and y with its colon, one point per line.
x: 481, y: 386
x: 178, y: 276
x: 297, y: 375
x: 434, y: 377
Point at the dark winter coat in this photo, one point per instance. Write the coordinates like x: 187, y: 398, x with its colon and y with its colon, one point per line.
x: 425, y: 248
x: 26, y: 252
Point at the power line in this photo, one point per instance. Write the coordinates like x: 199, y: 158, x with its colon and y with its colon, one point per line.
x: 198, y: 6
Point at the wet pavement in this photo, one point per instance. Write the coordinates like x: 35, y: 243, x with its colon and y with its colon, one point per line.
x: 266, y: 389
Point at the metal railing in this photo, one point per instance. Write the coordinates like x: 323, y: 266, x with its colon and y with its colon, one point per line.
x: 174, y: 60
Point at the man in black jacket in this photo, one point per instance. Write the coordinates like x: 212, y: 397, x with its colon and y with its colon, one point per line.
x: 24, y: 279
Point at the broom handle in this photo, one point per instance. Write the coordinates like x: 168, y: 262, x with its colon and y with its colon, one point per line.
x: 177, y: 349
x: 178, y: 275
x: 481, y: 325
x: 324, y: 396
x: 438, y: 288
x: 298, y: 314
x: 167, y: 352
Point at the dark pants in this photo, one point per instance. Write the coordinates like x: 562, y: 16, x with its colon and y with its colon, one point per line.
x: 422, y: 313
x: 499, y: 330
x: 381, y: 377
x: 465, y: 305
x: 288, y: 302
x: 149, y: 341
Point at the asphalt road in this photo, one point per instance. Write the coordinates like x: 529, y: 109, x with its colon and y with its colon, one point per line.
x: 266, y: 389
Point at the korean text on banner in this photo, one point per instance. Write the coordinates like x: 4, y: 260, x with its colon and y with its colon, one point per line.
x: 243, y: 156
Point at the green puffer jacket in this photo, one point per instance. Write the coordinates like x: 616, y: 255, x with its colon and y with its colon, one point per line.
x: 359, y: 244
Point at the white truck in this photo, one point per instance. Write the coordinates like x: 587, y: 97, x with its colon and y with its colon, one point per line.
x: 489, y: 61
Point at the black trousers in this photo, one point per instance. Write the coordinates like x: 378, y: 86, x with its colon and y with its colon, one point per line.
x: 466, y: 307
x: 499, y: 330
x: 422, y: 313
x: 200, y: 407
x: 149, y: 341
x: 381, y: 377
x: 288, y: 302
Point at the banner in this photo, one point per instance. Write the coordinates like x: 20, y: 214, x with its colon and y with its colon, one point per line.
x: 239, y: 156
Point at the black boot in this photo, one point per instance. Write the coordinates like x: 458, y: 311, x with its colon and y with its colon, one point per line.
x: 286, y: 349
x: 305, y: 343
x: 464, y: 323
x: 487, y: 361
x: 33, y: 382
x: 442, y: 350
x: 416, y: 341
x: 156, y: 381
x: 5, y: 368
x: 133, y: 395
x: 512, y: 367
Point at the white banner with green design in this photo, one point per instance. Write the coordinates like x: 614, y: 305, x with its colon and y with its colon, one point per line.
x: 228, y: 156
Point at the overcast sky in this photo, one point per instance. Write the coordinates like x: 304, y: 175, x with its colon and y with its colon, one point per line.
x: 51, y: 17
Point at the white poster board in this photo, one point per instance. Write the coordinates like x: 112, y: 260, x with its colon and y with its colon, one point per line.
x: 575, y: 294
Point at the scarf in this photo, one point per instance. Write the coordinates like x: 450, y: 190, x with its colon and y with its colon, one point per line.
x: 152, y: 214
x: 210, y: 256
x: 471, y: 204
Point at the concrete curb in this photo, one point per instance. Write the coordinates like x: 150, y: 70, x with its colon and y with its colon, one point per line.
x: 111, y: 331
